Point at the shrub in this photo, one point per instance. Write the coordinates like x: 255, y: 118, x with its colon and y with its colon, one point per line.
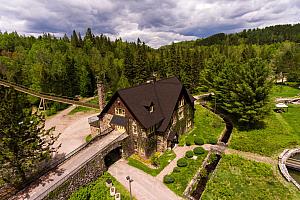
x: 176, y: 170
x: 212, y: 141
x: 189, y: 154
x: 188, y: 142
x: 198, y: 150
x: 155, y: 158
x: 168, y: 179
x: 182, y: 162
x: 88, y: 138
x: 199, y: 141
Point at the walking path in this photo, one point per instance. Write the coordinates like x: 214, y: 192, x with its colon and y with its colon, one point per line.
x: 41, y: 187
x: 252, y: 156
x: 144, y: 186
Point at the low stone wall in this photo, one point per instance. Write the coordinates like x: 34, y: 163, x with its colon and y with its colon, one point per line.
x: 283, y: 169
x: 88, y: 173
x: 194, y: 180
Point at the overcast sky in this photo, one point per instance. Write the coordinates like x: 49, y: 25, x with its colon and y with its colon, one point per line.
x: 157, y: 22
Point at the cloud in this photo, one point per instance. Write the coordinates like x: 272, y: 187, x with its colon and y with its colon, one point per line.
x: 157, y: 22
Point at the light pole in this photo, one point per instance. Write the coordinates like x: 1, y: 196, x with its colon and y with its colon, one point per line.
x: 129, y: 181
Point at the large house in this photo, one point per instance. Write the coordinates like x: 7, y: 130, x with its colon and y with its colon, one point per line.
x: 153, y: 115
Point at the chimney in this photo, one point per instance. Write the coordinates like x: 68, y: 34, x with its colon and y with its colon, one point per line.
x: 100, y: 88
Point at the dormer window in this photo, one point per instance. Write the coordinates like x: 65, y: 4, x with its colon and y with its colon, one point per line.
x: 181, y: 102
x: 151, y: 109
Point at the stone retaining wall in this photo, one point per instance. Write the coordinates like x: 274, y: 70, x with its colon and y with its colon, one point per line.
x: 89, y: 172
x: 283, y: 169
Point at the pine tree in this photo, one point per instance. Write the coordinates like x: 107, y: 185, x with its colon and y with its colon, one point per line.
x: 243, y: 90
x: 74, y: 39
x: 24, y: 142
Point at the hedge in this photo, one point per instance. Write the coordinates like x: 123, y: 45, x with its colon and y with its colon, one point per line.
x: 198, y: 150
x: 182, y: 162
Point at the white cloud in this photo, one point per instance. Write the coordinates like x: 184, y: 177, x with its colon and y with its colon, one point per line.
x: 157, y: 22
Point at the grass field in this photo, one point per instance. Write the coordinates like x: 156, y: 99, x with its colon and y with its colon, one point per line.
x: 84, y: 109
x: 239, y: 179
x: 186, y: 174
x: 277, y: 135
x: 207, y: 125
x: 284, y: 91
x: 163, y: 161
x: 98, y: 190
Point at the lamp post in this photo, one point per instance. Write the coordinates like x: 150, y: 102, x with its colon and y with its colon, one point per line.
x: 129, y: 181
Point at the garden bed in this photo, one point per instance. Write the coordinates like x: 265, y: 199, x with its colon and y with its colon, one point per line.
x: 145, y: 165
x: 98, y: 190
x: 183, y: 175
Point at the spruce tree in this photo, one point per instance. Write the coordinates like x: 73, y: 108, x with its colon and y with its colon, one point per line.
x: 243, y: 90
x: 24, y: 142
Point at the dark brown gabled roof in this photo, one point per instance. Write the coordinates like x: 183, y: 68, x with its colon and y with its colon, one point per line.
x: 163, y: 95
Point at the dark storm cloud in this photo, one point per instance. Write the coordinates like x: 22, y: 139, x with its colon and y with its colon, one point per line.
x: 157, y: 22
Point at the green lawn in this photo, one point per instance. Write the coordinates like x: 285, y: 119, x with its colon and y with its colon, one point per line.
x: 279, y: 133
x: 84, y: 109
x: 284, y: 91
x: 207, y: 125
x: 163, y: 162
x: 239, y: 179
x: 186, y: 174
x: 97, y: 190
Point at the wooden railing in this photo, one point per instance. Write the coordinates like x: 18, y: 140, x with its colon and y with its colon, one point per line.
x: 51, y: 97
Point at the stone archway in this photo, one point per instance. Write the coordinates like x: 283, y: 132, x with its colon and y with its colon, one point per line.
x: 113, y: 156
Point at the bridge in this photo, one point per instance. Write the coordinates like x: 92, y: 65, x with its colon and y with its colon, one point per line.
x: 47, y: 96
x: 293, y: 163
x: 88, y: 162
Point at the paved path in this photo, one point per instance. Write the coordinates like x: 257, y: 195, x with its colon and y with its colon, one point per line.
x: 180, y: 152
x: 252, y: 156
x: 73, y: 128
x: 144, y: 186
x: 64, y: 170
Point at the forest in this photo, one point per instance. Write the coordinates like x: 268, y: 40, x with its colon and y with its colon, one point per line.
x: 70, y: 66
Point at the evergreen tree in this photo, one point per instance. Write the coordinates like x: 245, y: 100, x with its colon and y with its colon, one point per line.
x: 24, y: 142
x: 243, y: 90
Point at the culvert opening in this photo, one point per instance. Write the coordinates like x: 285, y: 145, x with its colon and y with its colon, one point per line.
x: 113, y: 156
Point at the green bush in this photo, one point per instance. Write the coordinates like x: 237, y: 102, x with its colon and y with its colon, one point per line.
x: 198, y: 150
x: 212, y: 141
x: 188, y: 142
x: 176, y: 170
x: 189, y: 154
x: 155, y: 158
x: 182, y: 162
x: 199, y: 141
x: 168, y: 179
x: 88, y: 138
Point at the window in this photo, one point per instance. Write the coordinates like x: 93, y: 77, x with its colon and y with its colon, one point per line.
x: 151, y: 109
x: 174, y: 120
x: 120, y: 128
x: 181, y: 102
x: 134, y: 129
x: 151, y: 129
x: 120, y: 111
x: 189, y: 124
x: 180, y: 114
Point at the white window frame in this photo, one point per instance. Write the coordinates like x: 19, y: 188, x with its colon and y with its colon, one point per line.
x: 120, y: 111
x: 181, y: 102
x: 151, y: 129
x: 120, y: 128
x: 189, y: 123
x: 180, y: 114
x: 134, y: 129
